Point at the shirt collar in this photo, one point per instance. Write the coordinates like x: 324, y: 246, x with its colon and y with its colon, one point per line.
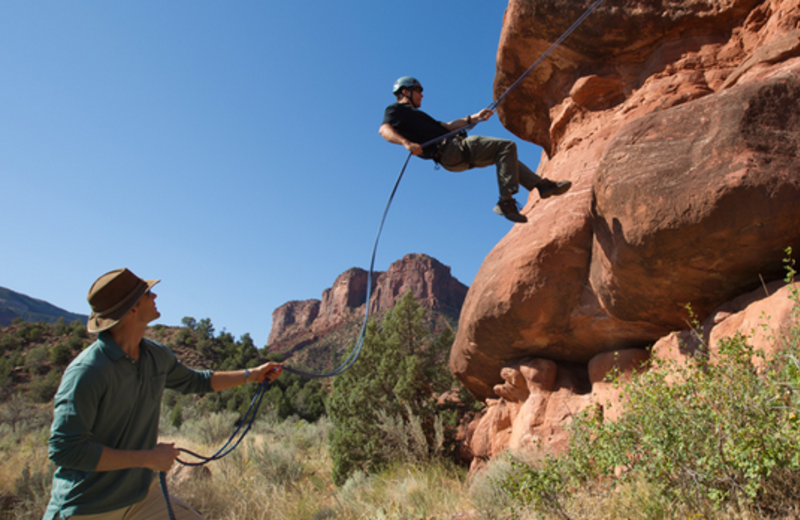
x: 112, y: 349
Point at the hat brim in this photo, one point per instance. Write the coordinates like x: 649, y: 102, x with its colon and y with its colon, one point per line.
x: 97, y: 323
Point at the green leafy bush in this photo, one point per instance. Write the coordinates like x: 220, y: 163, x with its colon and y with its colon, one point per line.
x: 42, y: 389
x: 36, y: 356
x: 384, y: 408
x: 60, y: 354
x: 708, y: 436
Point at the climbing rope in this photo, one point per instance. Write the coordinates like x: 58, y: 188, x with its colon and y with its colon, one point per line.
x: 233, y: 441
x: 249, y: 417
x: 348, y: 362
x: 547, y: 53
x: 351, y: 358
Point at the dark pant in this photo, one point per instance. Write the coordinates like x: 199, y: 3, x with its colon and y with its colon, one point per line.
x: 476, y: 151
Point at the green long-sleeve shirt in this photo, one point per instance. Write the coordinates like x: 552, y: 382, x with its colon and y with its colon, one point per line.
x: 106, y: 398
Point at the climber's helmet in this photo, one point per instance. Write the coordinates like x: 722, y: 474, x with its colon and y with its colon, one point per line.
x: 406, y: 82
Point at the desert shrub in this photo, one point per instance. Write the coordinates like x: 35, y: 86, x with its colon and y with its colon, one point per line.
x: 176, y: 416
x: 212, y: 428
x: 60, y: 354
x: 33, y: 492
x: 713, y: 440
x: 713, y: 437
x: 61, y: 326
x: 14, y: 412
x: 75, y: 343
x: 293, y: 395
x: 36, y: 356
x: 5, y: 373
x: 303, y: 435
x: 9, y: 343
x: 35, y: 334
x: 78, y: 329
x: 43, y: 388
x: 488, y: 490
x: 278, y: 463
x: 433, y: 490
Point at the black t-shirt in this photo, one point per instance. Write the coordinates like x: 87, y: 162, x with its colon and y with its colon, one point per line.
x: 415, y: 125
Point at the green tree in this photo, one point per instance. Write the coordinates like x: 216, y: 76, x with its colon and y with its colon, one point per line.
x: 78, y: 329
x: 384, y: 408
x: 60, y: 354
x: 176, y: 417
x: 189, y: 322
x: 61, y: 326
x: 42, y: 388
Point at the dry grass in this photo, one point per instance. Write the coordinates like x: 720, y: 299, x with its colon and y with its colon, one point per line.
x: 282, y: 471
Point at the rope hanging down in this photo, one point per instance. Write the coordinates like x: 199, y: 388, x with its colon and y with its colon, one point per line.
x: 249, y: 417
x: 348, y: 362
x: 233, y: 441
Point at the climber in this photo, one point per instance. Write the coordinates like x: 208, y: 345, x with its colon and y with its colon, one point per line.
x: 406, y: 125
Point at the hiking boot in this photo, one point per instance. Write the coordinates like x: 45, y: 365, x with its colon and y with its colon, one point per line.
x: 548, y: 188
x: 509, y: 209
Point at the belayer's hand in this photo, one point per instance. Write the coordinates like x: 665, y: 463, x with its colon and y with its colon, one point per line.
x: 269, y: 371
x: 162, y: 457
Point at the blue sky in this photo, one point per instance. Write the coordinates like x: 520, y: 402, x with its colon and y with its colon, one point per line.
x: 231, y: 148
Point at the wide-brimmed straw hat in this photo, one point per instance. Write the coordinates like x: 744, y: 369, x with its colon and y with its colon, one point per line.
x: 112, y: 296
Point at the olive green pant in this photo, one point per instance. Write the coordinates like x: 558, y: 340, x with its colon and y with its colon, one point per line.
x: 458, y: 154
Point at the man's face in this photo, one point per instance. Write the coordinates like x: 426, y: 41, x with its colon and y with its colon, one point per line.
x: 146, y: 308
x: 415, y: 96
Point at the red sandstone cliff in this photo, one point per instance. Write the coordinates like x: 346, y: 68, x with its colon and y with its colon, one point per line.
x: 331, y: 324
x: 679, y: 126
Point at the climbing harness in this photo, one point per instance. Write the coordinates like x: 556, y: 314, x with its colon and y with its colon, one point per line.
x: 249, y: 417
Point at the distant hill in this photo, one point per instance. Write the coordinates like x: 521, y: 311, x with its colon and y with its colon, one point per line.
x: 16, y: 305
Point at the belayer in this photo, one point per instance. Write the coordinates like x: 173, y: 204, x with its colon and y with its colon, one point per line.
x: 104, y: 437
x: 405, y: 124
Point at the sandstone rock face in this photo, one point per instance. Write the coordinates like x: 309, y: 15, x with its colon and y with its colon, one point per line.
x: 297, y: 325
x: 764, y: 316
x: 293, y: 314
x: 429, y: 280
x: 693, y: 203
x: 348, y: 293
x: 536, y: 401
x: 679, y: 126
x: 540, y: 397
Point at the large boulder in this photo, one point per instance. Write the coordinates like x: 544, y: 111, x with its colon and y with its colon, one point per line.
x: 538, y: 398
x: 679, y: 126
